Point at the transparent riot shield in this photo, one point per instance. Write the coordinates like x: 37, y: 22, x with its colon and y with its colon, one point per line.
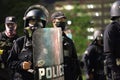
x: 48, y: 54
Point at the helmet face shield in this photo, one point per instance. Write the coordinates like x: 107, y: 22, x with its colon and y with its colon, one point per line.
x: 35, y: 23
x: 98, y: 35
x: 35, y: 17
x: 36, y: 12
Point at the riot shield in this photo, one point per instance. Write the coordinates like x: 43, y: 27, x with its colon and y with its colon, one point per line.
x: 48, y: 54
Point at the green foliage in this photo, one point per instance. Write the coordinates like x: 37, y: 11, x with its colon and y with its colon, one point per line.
x: 79, y: 28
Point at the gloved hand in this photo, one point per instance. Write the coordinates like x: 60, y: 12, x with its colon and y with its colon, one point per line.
x: 26, y: 65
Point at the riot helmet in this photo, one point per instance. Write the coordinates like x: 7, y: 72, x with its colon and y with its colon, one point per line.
x: 115, y: 10
x: 98, y: 35
x: 36, y: 12
x: 35, y: 17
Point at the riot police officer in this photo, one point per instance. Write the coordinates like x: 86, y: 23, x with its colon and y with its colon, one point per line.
x: 112, y: 43
x: 20, y: 60
x: 94, y: 58
x: 71, y: 65
x: 6, y: 41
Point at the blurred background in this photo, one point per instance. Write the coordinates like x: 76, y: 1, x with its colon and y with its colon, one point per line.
x: 84, y: 16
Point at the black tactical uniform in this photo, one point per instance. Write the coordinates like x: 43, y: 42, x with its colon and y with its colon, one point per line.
x: 6, y: 44
x: 112, y: 44
x: 21, y: 52
x: 94, y: 59
x: 22, y: 49
x: 71, y: 64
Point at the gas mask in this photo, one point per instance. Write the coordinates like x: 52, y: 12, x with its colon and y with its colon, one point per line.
x: 61, y: 24
x: 33, y: 25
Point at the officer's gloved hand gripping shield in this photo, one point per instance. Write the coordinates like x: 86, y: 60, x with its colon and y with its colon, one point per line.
x: 48, y: 54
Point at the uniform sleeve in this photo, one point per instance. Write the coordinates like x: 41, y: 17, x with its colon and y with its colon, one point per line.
x: 89, y: 59
x: 109, y: 44
x: 75, y: 64
x: 13, y: 60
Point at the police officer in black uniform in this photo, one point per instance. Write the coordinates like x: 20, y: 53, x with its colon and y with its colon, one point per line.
x: 112, y: 43
x: 6, y: 42
x: 94, y: 58
x: 71, y: 65
x: 20, y: 60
